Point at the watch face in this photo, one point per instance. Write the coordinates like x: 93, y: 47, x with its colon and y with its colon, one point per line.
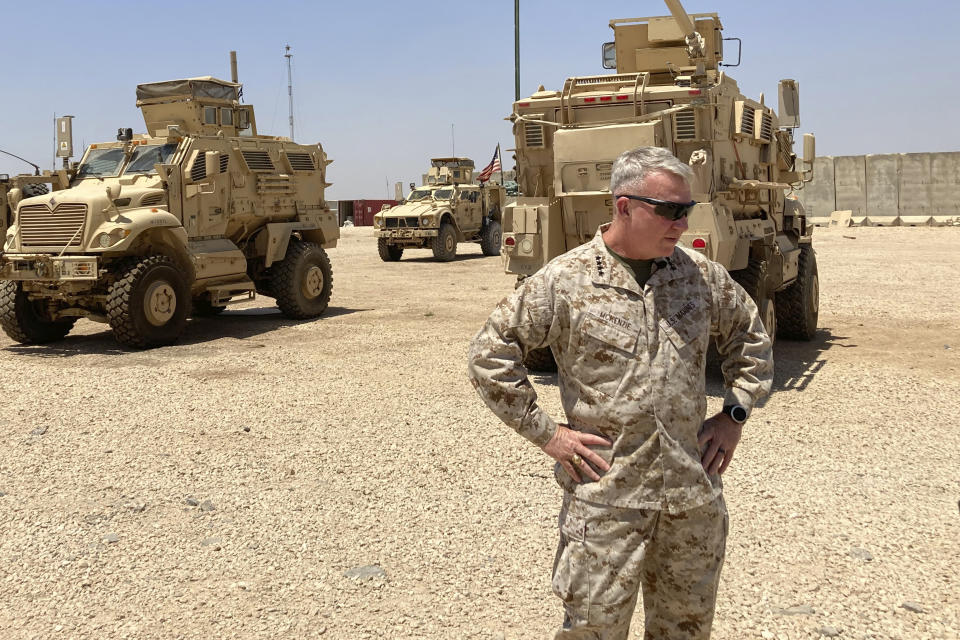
x: 738, y: 413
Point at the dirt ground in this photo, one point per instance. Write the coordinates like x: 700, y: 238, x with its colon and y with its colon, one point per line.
x: 236, y: 484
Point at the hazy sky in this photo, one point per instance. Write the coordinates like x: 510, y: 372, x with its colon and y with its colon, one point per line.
x: 379, y: 83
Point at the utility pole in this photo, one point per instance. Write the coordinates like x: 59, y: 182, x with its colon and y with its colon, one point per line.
x: 289, y: 55
x: 516, y: 48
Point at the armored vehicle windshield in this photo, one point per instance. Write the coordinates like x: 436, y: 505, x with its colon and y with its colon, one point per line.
x: 419, y: 194
x: 101, y: 163
x: 443, y: 194
x: 145, y: 157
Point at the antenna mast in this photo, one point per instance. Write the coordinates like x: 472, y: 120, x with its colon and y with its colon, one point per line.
x: 289, y: 55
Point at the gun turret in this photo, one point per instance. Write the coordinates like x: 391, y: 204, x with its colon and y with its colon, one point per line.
x: 695, y: 43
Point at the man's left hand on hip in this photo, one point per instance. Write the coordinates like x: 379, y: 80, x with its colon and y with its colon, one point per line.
x: 718, y: 439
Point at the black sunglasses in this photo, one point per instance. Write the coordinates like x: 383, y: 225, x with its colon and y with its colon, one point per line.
x: 663, y: 208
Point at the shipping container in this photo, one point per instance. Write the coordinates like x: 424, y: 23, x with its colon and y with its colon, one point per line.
x: 364, y: 210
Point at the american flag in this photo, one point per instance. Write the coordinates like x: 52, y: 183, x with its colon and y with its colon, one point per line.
x: 492, y: 167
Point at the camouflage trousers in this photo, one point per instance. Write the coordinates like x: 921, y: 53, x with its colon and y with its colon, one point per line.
x: 606, y: 554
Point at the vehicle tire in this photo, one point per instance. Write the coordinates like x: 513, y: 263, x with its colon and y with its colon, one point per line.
x: 203, y: 309
x: 302, y: 281
x: 148, y: 304
x: 445, y: 244
x: 31, y: 190
x: 388, y: 252
x: 540, y: 360
x: 26, y: 321
x: 798, y: 306
x: 490, y: 242
x: 753, y: 280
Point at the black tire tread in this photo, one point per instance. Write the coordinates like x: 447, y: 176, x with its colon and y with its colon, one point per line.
x: 285, y: 286
x: 119, y: 314
x: 793, y: 320
x: 388, y: 252
x: 540, y: 360
x: 27, y: 330
x: 439, y: 252
x: 490, y: 241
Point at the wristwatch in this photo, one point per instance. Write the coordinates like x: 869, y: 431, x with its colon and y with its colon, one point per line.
x: 736, y: 412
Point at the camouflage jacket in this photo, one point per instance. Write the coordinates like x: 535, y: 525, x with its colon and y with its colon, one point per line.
x: 631, y: 366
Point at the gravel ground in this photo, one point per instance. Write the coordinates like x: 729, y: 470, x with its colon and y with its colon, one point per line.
x: 339, y: 478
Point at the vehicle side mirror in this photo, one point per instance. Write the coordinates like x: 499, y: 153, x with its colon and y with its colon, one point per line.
x: 609, y: 55
x: 113, y: 191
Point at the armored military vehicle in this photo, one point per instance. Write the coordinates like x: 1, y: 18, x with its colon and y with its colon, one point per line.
x: 198, y: 212
x: 670, y: 90
x: 448, y: 208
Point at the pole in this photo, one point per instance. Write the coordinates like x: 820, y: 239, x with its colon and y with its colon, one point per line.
x: 289, y: 55
x: 516, y: 48
x: 501, y: 163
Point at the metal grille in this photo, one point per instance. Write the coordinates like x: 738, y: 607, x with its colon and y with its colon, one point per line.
x: 151, y: 199
x: 532, y: 134
x: 583, y: 82
x: 41, y: 227
x: 301, y: 161
x: 685, y: 123
x: 766, y: 127
x: 746, y: 121
x: 258, y: 160
x: 199, y: 169
x: 409, y: 221
x: 224, y: 162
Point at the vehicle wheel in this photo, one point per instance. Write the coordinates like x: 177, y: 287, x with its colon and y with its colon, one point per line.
x: 26, y: 321
x: 540, y: 360
x: 388, y: 252
x: 31, y: 190
x: 203, y: 309
x: 302, y: 281
x: 490, y: 242
x: 148, y: 304
x: 445, y: 244
x: 753, y: 280
x: 798, y: 306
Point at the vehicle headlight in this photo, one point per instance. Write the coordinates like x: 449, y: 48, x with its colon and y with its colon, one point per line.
x: 105, y: 240
x: 426, y: 221
x: 377, y: 222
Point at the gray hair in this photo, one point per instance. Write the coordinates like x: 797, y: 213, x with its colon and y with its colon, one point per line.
x: 632, y: 167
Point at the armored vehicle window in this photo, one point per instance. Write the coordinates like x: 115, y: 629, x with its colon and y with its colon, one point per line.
x: 209, y: 115
x: 418, y: 194
x: 226, y: 116
x: 443, y: 194
x: 145, y: 157
x: 101, y: 163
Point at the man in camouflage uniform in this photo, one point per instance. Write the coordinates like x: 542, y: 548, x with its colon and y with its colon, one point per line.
x: 628, y: 317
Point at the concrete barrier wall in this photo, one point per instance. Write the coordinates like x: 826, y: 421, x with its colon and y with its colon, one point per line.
x: 885, y: 186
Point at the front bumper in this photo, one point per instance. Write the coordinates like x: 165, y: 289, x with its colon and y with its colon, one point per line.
x: 405, y: 234
x: 48, y: 268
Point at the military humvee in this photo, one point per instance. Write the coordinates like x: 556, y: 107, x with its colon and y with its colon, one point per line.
x: 670, y: 90
x: 198, y: 212
x: 448, y: 208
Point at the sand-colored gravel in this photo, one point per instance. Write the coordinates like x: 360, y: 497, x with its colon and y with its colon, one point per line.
x: 226, y: 487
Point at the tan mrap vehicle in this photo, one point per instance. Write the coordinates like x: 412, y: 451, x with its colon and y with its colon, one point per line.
x: 199, y: 212
x: 670, y: 90
x: 448, y: 208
